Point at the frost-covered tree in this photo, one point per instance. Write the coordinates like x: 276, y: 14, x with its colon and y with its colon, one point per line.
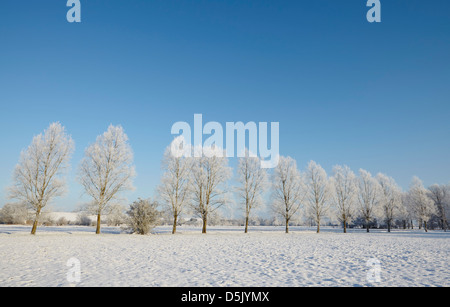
x: 107, y: 169
x: 404, y: 213
x: 422, y: 205
x: 369, y: 193
x: 345, y: 193
x: 143, y: 215
x: 175, y: 190
x: 115, y: 214
x: 14, y: 213
x: 390, y: 198
x: 252, y: 183
x: 210, y: 172
x: 288, y: 190
x: 440, y: 194
x: 318, y: 192
x: 39, y: 176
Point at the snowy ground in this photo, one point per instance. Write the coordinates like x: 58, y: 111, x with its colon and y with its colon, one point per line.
x: 224, y: 257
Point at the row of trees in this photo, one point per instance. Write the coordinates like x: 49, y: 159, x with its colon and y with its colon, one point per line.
x: 201, y: 183
x: 141, y: 216
x: 105, y: 171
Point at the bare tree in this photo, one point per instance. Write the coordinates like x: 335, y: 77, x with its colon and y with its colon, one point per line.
x: 107, y: 169
x: 38, y: 177
x: 368, y: 196
x: 210, y: 171
x: 252, y: 182
x: 422, y: 205
x: 345, y: 194
x: 390, y: 198
x: 175, y: 190
x: 318, y: 192
x: 440, y: 194
x: 288, y: 190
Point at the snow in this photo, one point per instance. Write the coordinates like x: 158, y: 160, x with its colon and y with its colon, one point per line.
x: 224, y: 257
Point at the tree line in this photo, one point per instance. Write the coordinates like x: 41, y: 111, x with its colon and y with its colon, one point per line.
x: 200, y: 184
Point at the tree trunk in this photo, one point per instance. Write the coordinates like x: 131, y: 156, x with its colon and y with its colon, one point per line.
x: 174, y: 228
x: 204, y: 224
x: 318, y: 227
x: 345, y: 227
x: 33, y: 229
x: 97, y: 231
x: 287, y: 225
x: 246, y: 224
x: 367, y: 226
x: 389, y: 226
x: 36, y: 220
x: 425, y: 226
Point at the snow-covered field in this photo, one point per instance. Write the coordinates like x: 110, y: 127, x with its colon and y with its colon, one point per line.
x: 224, y: 257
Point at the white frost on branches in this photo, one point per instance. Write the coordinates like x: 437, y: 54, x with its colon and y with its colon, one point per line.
x: 175, y: 189
x: 107, y: 169
x: 345, y: 193
x: 288, y: 190
x: 369, y: 193
x: 390, y: 198
x: 318, y: 192
x: 252, y: 183
x: 38, y: 177
x: 210, y: 172
x: 422, y: 205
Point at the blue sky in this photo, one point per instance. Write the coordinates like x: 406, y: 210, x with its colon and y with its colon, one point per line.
x: 345, y: 91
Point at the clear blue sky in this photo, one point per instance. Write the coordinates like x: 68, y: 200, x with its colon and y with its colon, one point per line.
x: 372, y: 96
